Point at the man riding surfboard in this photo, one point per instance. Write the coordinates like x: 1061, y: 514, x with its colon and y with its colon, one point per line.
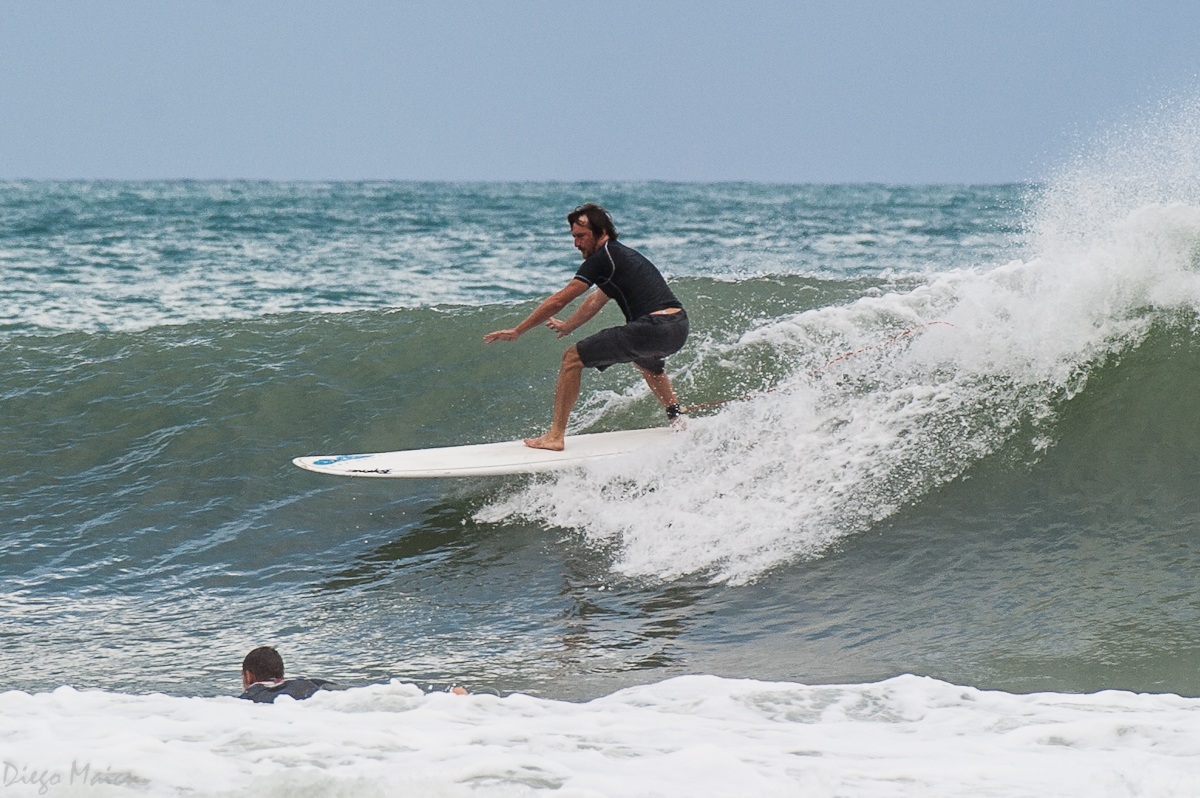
x: 656, y: 324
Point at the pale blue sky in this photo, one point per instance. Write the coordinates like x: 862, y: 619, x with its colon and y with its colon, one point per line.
x: 832, y: 91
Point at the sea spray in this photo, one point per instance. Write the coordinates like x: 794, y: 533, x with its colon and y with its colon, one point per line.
x: 1112, y: 244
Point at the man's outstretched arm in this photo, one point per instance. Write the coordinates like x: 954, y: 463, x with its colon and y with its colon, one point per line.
x: 589, y: 308
x: 545, y: 311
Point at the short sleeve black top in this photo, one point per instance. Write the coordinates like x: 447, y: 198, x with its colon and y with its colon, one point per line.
x: 299, y: 689
x: 628, y: 277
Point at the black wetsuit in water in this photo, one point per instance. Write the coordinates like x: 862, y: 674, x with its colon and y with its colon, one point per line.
x: 299, y: 689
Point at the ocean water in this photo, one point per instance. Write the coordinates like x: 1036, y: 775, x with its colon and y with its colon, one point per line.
x: 933, y: 532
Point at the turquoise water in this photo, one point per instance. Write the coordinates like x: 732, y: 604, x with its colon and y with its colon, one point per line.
x: 965, y: 446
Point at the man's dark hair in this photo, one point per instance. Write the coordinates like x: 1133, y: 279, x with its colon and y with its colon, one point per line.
x: 263, y: 663
x: 598, y: 219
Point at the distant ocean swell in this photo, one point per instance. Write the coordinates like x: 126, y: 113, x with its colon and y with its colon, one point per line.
x: 128, y: 256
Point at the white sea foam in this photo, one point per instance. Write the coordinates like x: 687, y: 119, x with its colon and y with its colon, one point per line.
x: 694, y: 735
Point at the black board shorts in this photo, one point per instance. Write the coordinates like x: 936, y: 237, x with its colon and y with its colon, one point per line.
x: 646, y: 342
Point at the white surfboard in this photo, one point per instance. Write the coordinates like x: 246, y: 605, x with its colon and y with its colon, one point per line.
x: 485, y: 459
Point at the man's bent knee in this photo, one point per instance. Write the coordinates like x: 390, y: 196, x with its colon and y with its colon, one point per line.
x: 571, y: 359
x: 651, y: 374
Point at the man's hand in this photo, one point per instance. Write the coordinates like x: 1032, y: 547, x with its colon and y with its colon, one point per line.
x: 560, y: 327
x: 546, y: 310
x: 501, y: 335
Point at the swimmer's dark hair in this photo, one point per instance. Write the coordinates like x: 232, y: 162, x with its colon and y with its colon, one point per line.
x: 598, y: 219
x: 263, y: 663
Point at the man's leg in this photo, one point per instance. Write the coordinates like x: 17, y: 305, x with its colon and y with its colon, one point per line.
x: 660, y: 386
x: 565, y: 395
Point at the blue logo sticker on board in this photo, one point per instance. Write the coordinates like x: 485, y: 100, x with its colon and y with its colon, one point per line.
x: 340, y: 458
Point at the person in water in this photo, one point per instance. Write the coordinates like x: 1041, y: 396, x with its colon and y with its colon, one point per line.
x: 263, y: 682
x: 656, y: 324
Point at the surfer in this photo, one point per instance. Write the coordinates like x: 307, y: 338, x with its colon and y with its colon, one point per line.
x: 656, y: 323
x: 263, y: 682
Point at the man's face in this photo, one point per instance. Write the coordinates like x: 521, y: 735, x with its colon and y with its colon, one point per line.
x: 585, y: 240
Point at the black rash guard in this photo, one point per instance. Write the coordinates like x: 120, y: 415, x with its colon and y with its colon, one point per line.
x: 299, y: 689
x: 628, y: 277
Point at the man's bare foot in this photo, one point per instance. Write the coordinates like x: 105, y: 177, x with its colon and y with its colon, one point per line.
x: 545, y: 442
